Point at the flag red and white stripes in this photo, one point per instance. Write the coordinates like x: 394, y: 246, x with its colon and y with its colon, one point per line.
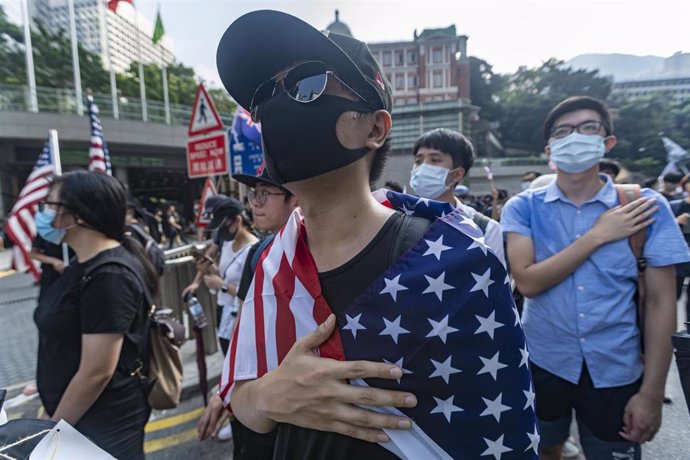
x: 99, y: 157
x: 20, y: 225
x: 286, y: 305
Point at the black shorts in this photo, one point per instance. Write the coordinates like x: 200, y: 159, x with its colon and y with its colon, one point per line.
x: 599, y: 409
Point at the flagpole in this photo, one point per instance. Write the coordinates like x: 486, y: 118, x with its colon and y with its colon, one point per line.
x: 142, y: 84
x: 166, y: 96
x: 28, y: 49
x: 75, y: 57
x: 113, y: 81
x: 55, y: 149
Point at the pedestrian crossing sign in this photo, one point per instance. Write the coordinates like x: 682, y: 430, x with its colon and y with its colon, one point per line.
x: 205, y: 117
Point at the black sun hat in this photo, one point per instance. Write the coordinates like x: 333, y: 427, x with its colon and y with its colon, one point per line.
x: 259, y: 44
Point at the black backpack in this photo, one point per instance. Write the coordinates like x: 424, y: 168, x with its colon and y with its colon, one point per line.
x: 153, y: 252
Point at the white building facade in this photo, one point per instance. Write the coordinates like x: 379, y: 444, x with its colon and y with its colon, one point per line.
x: 116, y: 37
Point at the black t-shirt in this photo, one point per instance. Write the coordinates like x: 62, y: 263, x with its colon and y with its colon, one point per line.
x: 48, y: 273
x: 341, y: 286
x: 111, y: 301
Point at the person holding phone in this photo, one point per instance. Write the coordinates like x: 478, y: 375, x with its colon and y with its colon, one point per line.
x: 235, y: 235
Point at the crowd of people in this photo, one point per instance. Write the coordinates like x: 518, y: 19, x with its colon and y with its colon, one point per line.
x: 305, y: 269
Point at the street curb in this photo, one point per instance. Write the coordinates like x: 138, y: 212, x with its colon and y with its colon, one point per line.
x: 188, y: 392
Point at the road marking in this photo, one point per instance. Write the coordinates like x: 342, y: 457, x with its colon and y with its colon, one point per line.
x: 155, y: 445
x: 40, y: 412
x: 168, y: 422
x: 6, y: 273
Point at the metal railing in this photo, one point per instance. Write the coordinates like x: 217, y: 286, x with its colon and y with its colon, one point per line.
x: 15, y: 98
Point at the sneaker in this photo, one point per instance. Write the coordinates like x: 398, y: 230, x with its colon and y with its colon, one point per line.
x: 570, y: 449
x: 225, y: 433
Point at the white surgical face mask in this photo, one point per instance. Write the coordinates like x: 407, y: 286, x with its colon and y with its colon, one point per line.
x: 576, y: 153
x: 525, y: 184
x: 429, y: 181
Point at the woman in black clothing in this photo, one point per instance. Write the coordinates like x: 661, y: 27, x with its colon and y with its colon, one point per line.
x: 92, y: 329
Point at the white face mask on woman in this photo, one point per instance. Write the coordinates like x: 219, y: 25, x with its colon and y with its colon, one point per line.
x: 429, y: 181
x: 576, y: 153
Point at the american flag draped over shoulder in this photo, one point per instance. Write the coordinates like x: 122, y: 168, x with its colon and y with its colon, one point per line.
x: 443, y: 313
x: 99, y: 156
x: 20, y: 225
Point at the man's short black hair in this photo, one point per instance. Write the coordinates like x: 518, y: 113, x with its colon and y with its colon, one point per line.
x: 607, y: 165
x: 536, y: 174
x: 450, y: 142
x: 394, y: 186
x: 574, y: 103
x: 673, y: 178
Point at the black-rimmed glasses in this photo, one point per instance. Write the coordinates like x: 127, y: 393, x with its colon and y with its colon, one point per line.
x: 586, y: 127
x: 304, y: 83
x: 43, y: 205
x: 259, y: 198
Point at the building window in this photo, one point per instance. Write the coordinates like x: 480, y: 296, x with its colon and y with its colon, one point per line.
x: 412, y: 82
x: 437, y: 56
x: 437, y: 79
x: 411, y: 57
x: 399, y: 58
x: 400, y: 82
x: 412, y: 100
x: 387, y: 59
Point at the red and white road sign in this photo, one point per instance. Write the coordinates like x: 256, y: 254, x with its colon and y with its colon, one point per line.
x: 205, y: 117
x: 201, y: 216
x: 207, y: 155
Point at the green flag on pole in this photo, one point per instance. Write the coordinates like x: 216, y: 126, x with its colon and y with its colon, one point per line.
x: 158, y: 30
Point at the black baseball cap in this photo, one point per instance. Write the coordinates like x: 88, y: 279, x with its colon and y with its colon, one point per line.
x: 259, y: 44
x: 261, y: 176
x: 212, y: 202
x: 229, y: 207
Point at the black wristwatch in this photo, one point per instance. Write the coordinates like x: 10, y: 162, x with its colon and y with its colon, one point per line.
x: 224, y: 289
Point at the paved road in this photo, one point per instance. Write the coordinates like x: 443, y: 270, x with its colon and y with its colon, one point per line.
x: 175, y: 436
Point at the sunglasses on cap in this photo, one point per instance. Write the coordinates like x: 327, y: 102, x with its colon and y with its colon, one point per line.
x: 304, y: 83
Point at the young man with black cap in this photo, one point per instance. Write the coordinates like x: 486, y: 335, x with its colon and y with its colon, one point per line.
x: 324, y: 106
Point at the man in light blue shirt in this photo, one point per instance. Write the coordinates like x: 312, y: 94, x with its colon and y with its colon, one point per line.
x: 570, y: 256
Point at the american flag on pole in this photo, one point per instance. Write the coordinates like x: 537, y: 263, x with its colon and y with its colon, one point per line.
x: 20, y: 225
x: 99, y: 157
x: 444, y: 313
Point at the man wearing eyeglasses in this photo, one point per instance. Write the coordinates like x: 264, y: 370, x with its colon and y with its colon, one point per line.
x: 353, y: 390
x: 570, y: 255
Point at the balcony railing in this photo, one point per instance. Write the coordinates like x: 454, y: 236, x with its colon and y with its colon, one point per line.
x: 15, y: 98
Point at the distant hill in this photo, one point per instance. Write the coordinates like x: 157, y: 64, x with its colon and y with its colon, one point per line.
x: 621, y: 66
x: 626, y: 67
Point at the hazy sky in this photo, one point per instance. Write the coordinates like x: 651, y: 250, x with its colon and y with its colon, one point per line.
x: 507, y: 33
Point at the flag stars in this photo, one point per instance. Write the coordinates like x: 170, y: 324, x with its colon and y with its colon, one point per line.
x: 422, y: 200
x: 393, y: 329
x: 533, y: 440
x: 440, y: 329
x: 482, y: 282
x: 488, y: 324
x: 491, y: 366
x: 445, y: 407
x: 444, y: 369
x: 479, y: 243
x: 495, y: 448
x: 436, y: 247
x: 407, y: 211
x: 393, y: 286
x: 437, y: 285
x: 399, y: 363
x: 524, y: 361
x: 495, y: 407
x: 529, y: 396
x: 353, y: 325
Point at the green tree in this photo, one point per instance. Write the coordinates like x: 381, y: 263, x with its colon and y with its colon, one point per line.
x: 485, y: 86
x: 530, y: 93
x: 638, y: 123
x: 11, y: 53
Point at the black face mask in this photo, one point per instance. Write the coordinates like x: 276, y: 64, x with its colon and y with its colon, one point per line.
x: 225, y: 234
x: 299, y: 139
